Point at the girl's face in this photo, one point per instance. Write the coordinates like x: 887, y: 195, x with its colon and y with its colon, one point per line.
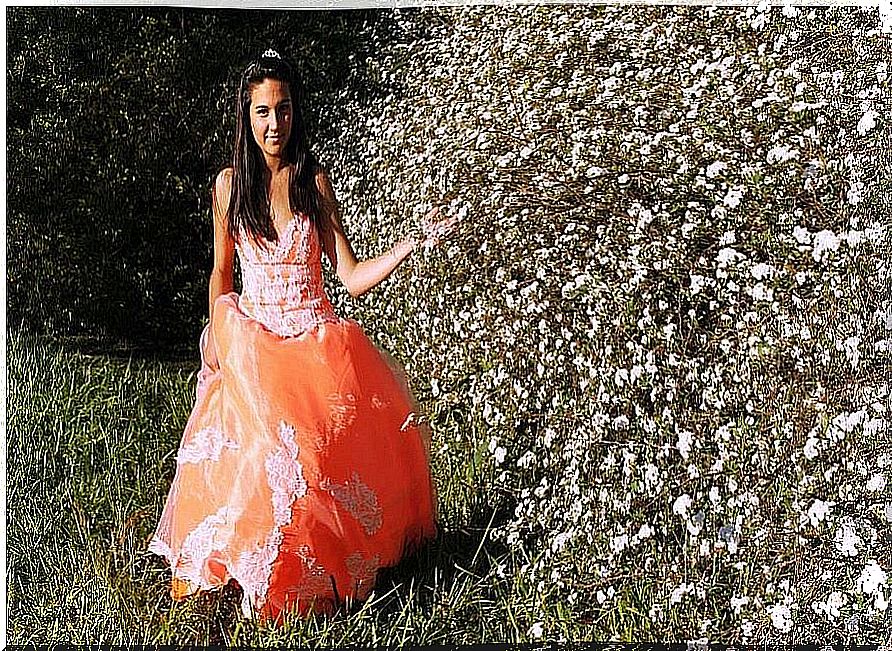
x: 271, y: 116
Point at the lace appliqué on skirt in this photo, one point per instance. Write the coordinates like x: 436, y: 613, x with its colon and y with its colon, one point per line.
x: 358, y: 500
x: 286, y: 481
x: 206, y: 445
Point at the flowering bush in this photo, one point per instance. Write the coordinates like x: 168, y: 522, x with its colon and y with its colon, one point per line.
x: 661, y: 337
x: 655, y: 356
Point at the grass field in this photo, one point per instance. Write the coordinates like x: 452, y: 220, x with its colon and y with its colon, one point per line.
x: 656, y: 357
x: 91, y: 449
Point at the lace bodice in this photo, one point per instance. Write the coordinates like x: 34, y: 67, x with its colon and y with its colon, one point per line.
x: 282, y: 281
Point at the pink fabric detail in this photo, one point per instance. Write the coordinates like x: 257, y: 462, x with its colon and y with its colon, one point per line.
x: 282, y: 284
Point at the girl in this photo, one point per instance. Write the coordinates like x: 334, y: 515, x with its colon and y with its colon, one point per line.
x: 301, y: 471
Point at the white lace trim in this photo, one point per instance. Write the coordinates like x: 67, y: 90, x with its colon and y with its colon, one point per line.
x: 199, y: 545
x: 158, y: 546
x: 252, y: 570
x: 206, y: 445
x: 282, y: 286
x: 284, y: 475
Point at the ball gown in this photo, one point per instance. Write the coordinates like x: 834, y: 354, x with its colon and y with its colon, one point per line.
x: 301, y: 471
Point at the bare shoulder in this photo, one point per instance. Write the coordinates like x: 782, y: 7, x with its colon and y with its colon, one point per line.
x: 222, y: 189
x: 223, y: 183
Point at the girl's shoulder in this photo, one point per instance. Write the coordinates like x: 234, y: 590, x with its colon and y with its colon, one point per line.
x: 222, y: 190
x: 223, y: 181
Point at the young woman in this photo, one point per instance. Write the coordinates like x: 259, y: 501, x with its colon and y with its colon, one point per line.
x: 301, y: 471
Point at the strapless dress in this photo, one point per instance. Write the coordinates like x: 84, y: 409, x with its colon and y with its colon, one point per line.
x: 301, y: 471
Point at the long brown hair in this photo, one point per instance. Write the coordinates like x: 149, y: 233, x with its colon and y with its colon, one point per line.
x: 249, y: 202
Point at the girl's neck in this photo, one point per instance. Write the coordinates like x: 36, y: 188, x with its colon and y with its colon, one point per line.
x: 275, y: 165
x: 277, y: 171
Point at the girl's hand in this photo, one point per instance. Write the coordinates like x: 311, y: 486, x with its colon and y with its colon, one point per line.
x: 433, y: 231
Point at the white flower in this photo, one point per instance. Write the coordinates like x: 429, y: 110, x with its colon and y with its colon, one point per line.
x: 811, y: 448
x: 761, y: 293
x: 619, y: 543
x: 685, y: 439
x: 835, y: 602
x: 876, y: 483
x: 872, y: 577
x: 789, y: 11
x: 854, y: 238
x: 713, y: 170
x: 560, y: 541
x: 762, y: 271
x: 681, y: 505
x: 535, y: 630
x: 824, y: 241
x: 844, y: 423
x: 781, y: 154
x: 623, y: 179
x: 499, y: 454
x: 697, y: 283
x: 651, y: 474
x: 727, y: 255
x: 852, y: 352
x: 780, y: 617
x: 867, y: 122
x: 737, y: 603
x: 818, y: 511
x: 847, y: 540
x: 853, y: 194
x: 885, y: 18
x: 645, y: 532
x: 679, y: 593
x: 733, y: 197
x: 802, y: 235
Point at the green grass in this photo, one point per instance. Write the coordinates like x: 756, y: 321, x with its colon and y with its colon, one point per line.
x: 91, y: 446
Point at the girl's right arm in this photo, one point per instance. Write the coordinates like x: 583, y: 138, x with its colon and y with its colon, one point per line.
x: 224, y: 248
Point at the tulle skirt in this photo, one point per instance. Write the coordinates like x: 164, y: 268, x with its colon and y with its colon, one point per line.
x: 301, y: 471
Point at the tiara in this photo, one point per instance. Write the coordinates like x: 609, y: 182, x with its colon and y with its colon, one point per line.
x: 271, y: 54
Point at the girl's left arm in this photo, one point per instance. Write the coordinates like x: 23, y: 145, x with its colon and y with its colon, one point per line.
x: 357, y: 276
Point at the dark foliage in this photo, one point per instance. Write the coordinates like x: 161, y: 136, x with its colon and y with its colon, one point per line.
x: 118, y: 120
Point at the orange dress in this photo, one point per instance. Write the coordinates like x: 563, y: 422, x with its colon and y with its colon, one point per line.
x: 301, y: 471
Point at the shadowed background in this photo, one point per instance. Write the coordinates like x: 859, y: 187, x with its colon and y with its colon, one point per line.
x: 118, y: 120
